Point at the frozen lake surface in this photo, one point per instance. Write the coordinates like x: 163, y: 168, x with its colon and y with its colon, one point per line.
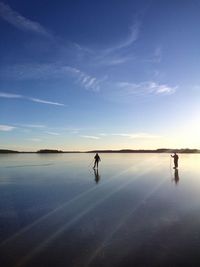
x: 55, y: 210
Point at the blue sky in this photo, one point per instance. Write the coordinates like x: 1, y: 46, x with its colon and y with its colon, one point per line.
x: 80, y: 75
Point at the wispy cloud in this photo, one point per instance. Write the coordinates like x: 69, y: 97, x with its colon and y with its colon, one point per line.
x: 8, y: 95
x: 116, y: 60
x: 52, y: 133
x: 136, y: 135
x: 129, y: 40
x: 131, y: 135
x: 118, y: 53
x: 145, y: 88
x: 90, y: 83
x: 90, y: 137
x: 34, y: 71
x: 156, y: 56
x: 102, y: 134
x: 50, y: 71
x: 37, y: 100
x: 87, y: 81
x: 31, y: 125
x: 6, y: 128
x: 124, y: 43
x: 20, y: 22
x: 72, y: 130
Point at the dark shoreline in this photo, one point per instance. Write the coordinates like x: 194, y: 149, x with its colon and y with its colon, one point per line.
x: 51, y: 151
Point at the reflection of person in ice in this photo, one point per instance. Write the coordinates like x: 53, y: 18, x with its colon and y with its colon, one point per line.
x: 176, y: 176
x: 97, y: 176
x: 175, y: 156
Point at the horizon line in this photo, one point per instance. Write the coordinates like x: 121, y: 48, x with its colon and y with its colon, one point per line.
x: 124, y: 150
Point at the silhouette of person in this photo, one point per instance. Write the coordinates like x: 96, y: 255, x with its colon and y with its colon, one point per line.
x: 176, y: 176
x: 96, y: 160
x: 97, y: 176
x: 175, y: 156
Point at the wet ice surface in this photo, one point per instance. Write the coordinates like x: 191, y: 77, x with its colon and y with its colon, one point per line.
x: 136, y: 211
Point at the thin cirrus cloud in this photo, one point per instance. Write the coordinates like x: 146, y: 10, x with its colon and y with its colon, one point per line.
x: 87, y: 81
x: 37, y: 100
x: 8, y: 95
x: 116, y: 60
x: 37, y: 126
x: 113, y: 55
x: 103, y: 134
x: 6, y: 128
x: 52, y: 133
x: 136, y: 135
x: 129, y: 40
x: 33, y: 71
x: 101, y: 56
x: 156, y: 56
x: 145, y: 88
x: 90, y: 137
x: 116, y: 54
x: 20, y: 22
x: 49, y: 71
x: 40, y: 71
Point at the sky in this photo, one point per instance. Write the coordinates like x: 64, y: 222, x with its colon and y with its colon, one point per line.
x: 109, y: 74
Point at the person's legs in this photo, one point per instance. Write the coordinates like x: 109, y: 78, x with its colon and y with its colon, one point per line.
x: 176, y: 164
x: 94, y: 164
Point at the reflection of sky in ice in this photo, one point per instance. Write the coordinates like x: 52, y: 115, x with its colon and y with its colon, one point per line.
x: 140, y: 211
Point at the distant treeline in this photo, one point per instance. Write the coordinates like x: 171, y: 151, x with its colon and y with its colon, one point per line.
x: 8, y: 151
x: 49, y: 151
x: 55, y: 151
x: 160, y: 150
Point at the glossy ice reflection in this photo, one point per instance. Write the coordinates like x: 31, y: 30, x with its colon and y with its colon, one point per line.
x: 136, y: 210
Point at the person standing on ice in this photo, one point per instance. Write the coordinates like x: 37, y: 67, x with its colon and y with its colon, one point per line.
x: 175, y: 156
x: 96, y: 160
